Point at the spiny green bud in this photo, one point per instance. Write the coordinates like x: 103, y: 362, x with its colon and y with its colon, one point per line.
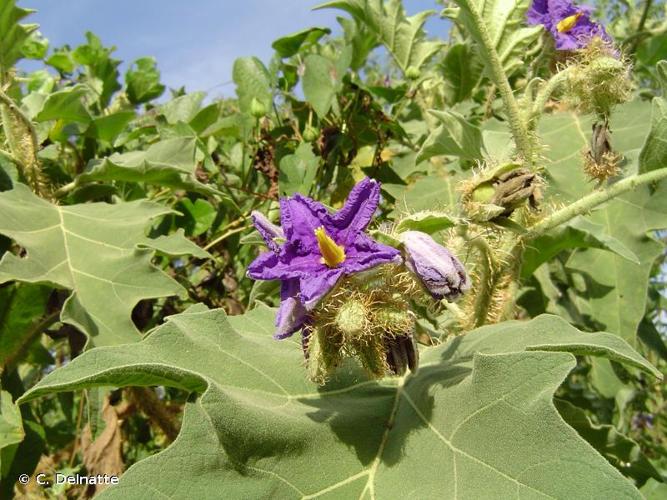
x: 598, y: 80
x: 392, y: 320
x: 352, y: 319
x: 257, y: 108
x: 497, y: 192
x: 311, y: 133
x: 412, y: 73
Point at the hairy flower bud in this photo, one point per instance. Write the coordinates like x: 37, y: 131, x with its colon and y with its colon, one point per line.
x: 352, y: 319
x: 441, y: 273
x: 598, y: 79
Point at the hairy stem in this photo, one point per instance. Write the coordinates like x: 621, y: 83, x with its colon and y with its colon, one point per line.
x: 592, y: 200
x: 488, y: 274
x: 23, y: 143
x: 517, y: 125
x: 545, y: 94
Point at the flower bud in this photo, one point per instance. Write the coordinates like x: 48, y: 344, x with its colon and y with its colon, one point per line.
x: 257, y: 108
x: 412, y: 73
x: 441, y: 273
x: 352, y: 319
x: 311, y: 133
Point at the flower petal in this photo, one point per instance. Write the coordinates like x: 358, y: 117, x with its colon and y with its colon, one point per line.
x: 358, y: 210
x: 315, y: 286
x: 299, y: 217
x: 285, y: 265
x: 291, y: 314
x: 267, y: 229
x: 365, y: 253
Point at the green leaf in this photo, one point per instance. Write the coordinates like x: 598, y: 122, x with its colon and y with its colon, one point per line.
x: 654, y: 490
x: 505, y: 23
x: 62, y: 61
x: 252, y: 82
x: 12, y: 34
x: 426, y: 221
x: 35, y: 46
x: 462, y: 70
x: 480, y: 407
x: 321, y: 82
x: 429, y: 193
x: 109, y: 127
x: 170, y: 162
x: 654, y: 151
x: 11, y: 427
x: 615, y: 291
x: 455, y: 136
x: 21, y: 307
x: 182, y: 109
x: 403, y: 36
x: 143, y: 81
x: 98, y: 251
x: 621, y: 451
x: 298, y: 170
x: 199, y: 215
x: 579, y: 233
x: 289, y: 45
x: 66, y: 105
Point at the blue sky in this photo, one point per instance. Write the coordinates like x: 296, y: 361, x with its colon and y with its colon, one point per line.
x: 195, y: 42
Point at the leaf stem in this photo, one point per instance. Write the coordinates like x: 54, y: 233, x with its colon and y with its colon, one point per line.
x: 640, y: 27
x: 592, y: 200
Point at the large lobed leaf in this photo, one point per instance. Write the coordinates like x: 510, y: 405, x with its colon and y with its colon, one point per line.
x: 12, y: 34
x: 403, y: 36
x: 476, y: 420
x: 170, y: 162
x: 97, y: 250
x: 616, y: 287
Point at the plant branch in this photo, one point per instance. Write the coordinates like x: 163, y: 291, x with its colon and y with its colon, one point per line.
x: 640, y: 27
x: 592, y: 200
x: 545, y: 94
x: 517, y: 125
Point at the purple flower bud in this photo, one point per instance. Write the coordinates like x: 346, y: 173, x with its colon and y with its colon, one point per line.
x: 442, y: 273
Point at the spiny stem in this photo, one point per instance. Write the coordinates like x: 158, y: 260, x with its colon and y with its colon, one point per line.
x: 592, y: 200
x: 517, y: 125
x: 545, y: 94
x: 487, y: 281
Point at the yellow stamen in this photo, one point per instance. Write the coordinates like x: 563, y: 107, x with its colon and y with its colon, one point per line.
x: 568, y: 23
x: 332, y: 253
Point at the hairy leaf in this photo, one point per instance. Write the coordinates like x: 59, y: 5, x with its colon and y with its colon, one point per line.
x: 12, y: 34
x: 99, y: 251
x: 289, y: 45
x: 455, y: 136
x: 621, y: 451
x: 298, y: 170
x: 143, y: 81
x: 480, y: 408
x: 402, y: 35
x: 252, y: 82
x: 505, y: 23
x: 170, y: 162
x: 616, y: 288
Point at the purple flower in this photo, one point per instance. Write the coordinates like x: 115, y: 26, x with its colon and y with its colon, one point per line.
x: 442, y: 273
x: 318, y: 249
x: 571, y: 26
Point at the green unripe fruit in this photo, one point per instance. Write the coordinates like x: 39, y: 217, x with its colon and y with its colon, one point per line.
x: 311, y: 133
x: 257, y: 108
x: 412, y: 73
x: 483, y: 193
x: 352, y: 319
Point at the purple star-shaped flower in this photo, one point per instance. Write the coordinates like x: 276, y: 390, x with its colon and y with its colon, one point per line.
x: 314, y: 248
x: 571, y: 26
